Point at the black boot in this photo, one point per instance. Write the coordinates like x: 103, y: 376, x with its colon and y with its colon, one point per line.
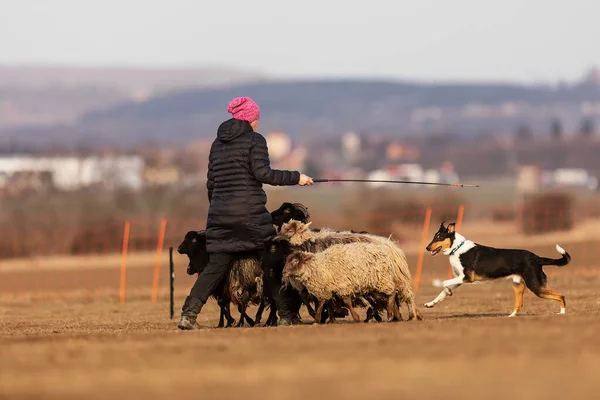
x: 190, y: 310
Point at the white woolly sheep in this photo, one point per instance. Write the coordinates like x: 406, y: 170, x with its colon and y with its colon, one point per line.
x: 277, y: 249
x: 348, y: 271
x: 298, y: 233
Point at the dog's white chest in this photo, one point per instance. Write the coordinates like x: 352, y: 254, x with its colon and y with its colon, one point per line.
x: 457, y: 267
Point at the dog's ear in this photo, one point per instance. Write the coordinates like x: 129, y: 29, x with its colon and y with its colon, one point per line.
x: 451, y: 227
x: 442, y: 227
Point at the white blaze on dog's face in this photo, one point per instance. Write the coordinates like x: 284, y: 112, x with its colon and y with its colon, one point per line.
x: 442, y: 240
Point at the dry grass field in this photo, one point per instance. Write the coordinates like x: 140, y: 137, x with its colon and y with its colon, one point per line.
x: 64, y: 335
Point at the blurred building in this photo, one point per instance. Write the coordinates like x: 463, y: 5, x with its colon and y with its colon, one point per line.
x: 413, y: 172
x: 279, y: 144
x: 531, y: 178
x: 528, y: 178
x: 396, y: 151
x: 570, y: 177
x: 72, y: 173
x: 161, y: 176
x: 351, y: 146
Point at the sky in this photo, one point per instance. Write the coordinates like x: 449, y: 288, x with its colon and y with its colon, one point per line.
x: 460, y: 40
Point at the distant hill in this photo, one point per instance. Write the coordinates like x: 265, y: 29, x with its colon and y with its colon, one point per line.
x: 60, y: 95
x: 126, y: 79
x: 328, y: 107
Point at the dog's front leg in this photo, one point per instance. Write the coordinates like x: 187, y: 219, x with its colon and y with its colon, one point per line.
x: 450, y: 283
x: 442, y: 295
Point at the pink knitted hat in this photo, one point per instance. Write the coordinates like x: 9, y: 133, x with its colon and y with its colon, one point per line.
x: 244, y: 108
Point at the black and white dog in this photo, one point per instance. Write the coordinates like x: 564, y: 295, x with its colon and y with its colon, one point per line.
x: 472, y: 262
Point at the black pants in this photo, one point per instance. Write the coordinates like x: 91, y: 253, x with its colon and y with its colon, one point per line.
x: 213, y: 274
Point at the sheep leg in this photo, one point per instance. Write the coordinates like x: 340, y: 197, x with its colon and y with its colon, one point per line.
x: 338, y: 310
x: 331, y: 312
x: 244, y: 317
x: 224, y: 305
x: 229, y: 317
x: 391, y: 304
x: 369, y: 314
x: 373, y: 313
x: 406, y: 296
x: 259, y: 313
x: 414, y: 312
x: 221, y: 319
x: 306, y: 302
x: 348, y: 302
x: 398, y: 316
x: 328, y: 312
x: 372, y: 310
x: 325, y: 315
x: 377, y: 316
x: 319, y: 312
x: 272, y: 319
x: 242, y: 313
x: 249, y: 320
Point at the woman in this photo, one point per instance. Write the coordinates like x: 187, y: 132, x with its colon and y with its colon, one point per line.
x: 238, y: 219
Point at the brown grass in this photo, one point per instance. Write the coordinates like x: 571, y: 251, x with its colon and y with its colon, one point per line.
x: 64, y: 335
x: 466, y: 348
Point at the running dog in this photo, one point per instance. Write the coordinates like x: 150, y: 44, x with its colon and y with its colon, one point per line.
x: 472, y: 262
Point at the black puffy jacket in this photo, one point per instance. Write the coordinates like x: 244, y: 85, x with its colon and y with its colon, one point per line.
x: 238, y: 165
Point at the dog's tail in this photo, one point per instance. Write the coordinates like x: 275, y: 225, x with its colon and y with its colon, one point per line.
x: 559, y: 262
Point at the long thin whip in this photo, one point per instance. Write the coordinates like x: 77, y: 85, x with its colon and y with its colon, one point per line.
x: 320, y: 180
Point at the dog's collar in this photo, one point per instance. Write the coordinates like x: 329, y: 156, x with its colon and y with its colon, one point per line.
x: 457, y: 247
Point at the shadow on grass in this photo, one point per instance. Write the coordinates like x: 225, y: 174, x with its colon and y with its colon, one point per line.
x: 482, y: 315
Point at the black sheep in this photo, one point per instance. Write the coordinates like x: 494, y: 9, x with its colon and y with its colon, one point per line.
x: 242, y: 284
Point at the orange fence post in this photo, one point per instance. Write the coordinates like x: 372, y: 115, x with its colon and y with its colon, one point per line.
x: 124, y: 259
x: 459, y: 218
x: 417, y: 280
x: 159, y: 250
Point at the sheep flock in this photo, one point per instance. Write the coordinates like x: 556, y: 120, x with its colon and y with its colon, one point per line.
x: 334, y: 272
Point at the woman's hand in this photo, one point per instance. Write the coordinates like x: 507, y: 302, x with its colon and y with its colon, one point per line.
x: 305, y: 180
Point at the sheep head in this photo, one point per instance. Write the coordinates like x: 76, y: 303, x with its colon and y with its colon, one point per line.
x: 288, y: 211
x: 276, y: 250
x: 292, y: 270
x: 194, y: 246
x: 295, y: 229
x: 278, y: 244
x: 295, y: 261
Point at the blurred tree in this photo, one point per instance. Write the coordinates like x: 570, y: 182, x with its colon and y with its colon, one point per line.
x: 524, y: 133
x: 311, y: 168
x: 586, y: 129
x: 556, y: 129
